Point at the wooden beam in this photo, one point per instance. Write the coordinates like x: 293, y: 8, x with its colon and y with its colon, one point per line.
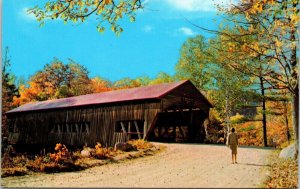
x: 129, y: 130
x: 137, y: 129
x: 181, y: 132
x: 124, y: 130
x: 123, y: 127
x: 145, y: 129
x: 152, y: 126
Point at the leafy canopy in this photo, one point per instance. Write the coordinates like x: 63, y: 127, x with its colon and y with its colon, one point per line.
x: 108, y: 12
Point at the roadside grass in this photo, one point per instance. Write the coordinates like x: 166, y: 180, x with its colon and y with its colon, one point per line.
x: 283, y: 172
x: 63, y: 160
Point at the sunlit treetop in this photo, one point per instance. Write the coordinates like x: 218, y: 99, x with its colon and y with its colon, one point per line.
x: 273, y: 27
x: 76, y: 11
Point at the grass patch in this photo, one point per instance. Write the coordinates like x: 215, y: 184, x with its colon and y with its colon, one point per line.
x: 284, y: 173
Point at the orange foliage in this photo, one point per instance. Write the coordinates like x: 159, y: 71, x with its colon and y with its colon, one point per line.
x: 101, y: 153
x: 250, y: 133
x: 99, y: 85
x: 61, y: 154
x: 26, y: 95
x: 33, y: 93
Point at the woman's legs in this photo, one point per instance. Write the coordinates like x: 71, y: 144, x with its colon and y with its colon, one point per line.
x: 234, y: 158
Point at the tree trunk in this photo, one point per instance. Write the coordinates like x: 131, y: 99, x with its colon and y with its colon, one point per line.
x: 264, y: 119
x: 295, y: 88
x: 296, y: 118
x: 227, y: 119
x: 288, y: 135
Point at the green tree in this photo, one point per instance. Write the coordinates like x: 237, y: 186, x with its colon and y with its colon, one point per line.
x: 108, y: 12
x: 193, y: 63
x: 126, y: 83
x: 162, y: 77
x: 9, y: 90
x: 143, y: 80
x: 204, y: 64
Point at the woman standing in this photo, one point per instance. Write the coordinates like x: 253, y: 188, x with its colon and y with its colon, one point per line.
x: 233, y: 143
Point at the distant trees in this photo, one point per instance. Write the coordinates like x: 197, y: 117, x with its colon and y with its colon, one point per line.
x: 56, y: 80
x: 60, y: 80
x: 162, y: 77
x: 106, y: 12
x: 126, y: 83
x: 100, y: 85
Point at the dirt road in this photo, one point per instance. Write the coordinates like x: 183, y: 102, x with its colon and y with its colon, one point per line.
x: 181, y: 165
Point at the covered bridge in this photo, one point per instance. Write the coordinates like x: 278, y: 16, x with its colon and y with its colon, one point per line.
x: 170, y: 112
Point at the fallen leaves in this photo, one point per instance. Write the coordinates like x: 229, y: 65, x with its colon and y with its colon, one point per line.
x: 284, y: 173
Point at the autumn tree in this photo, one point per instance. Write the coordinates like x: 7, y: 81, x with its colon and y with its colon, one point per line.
x: 99, y: 84
x: 56, y: 80
x: 239, y: 59
x: 275, y: 24
x: 107, y: 12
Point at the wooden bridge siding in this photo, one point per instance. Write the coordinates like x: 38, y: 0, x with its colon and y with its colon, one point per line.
x: 34, y: 126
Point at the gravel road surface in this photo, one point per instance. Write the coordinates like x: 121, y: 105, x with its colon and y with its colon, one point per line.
x: 180, y: 165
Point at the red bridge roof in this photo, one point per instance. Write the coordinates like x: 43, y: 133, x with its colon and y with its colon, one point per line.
x: 132, y: 94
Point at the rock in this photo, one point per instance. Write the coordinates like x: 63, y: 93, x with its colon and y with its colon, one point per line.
x: 85, y: 153
x: 124, y: 147
x: 288, y: 152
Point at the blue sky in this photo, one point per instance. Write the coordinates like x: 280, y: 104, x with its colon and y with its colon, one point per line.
x: 147, y: 46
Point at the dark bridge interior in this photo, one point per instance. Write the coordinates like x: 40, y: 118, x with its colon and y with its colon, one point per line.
x: 178, y: 126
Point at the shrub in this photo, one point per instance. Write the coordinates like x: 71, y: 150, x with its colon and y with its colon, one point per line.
x: 61, y: 155
x: 36, y: 164
x: 100, y: 152
x: 51, y: 162
x: 140, y: 144
x: 11, y: 162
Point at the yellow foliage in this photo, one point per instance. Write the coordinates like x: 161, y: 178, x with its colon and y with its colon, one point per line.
x: 237, y: 118
x: 258, y: 7
x: 101, y: 153
x: 140, y: 144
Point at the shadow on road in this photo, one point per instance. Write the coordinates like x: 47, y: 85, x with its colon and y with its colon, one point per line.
x: 258, y: 147
x: 220, y: 145
x: 254, y: 164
